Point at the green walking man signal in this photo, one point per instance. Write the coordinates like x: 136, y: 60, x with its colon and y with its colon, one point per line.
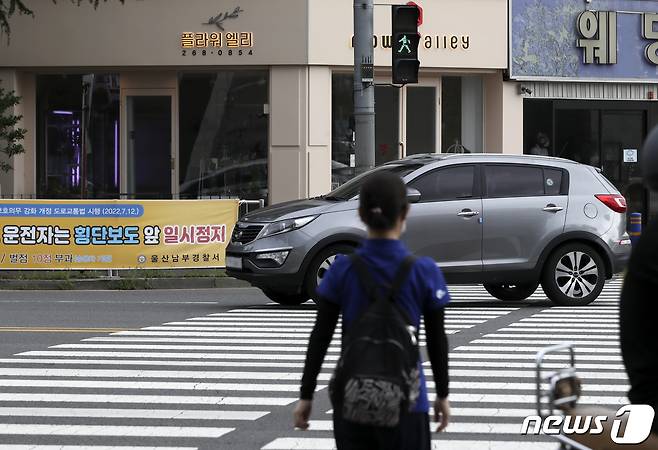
x: 405, y: 44
x: 405, y: 62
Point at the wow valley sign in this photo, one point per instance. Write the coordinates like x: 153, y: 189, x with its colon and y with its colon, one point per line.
x: 437, y: 42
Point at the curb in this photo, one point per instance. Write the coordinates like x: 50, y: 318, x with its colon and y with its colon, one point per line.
x: 123, y: 284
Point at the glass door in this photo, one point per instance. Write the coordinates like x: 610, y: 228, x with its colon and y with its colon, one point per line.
x: 622, y: 134
x: 149, y: 161
x: 421, y: 112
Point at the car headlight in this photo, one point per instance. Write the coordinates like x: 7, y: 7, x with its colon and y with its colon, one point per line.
x: 283, y: 226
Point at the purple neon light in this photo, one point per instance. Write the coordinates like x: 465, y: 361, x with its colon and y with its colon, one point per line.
x: 116, y: 153
x: 62, y: 113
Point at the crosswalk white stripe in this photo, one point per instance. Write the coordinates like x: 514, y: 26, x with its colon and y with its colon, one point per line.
x: 141, y: 362
x: 533, y: 349
x: 544, y: 342
x: 476, y: 386
x: 112, y: 430
x: 487, y: 356
x: 266, y: 327
x: 454, y: 427
x: 235, y: 328
x: 169, y: 414
x: 127, y: 373
x: 451, y: 444
x: 224, y: 334
x: 561, y: 320
x: 583, y: 309
x: 531, y: 373
x: 226, y: 348
x: 276, y: 312
x: 201, y: 340
x: 228, y: 317
x: 234, y: 334
x: 87, y: 447
x: 561, y: 336
x: 546, y: 324
x: 182, y: 355
x: 524, y: 365
x: 146, y: 385
x: 540, y: 328
x: 577, y: 316
x: 527, y: 399
x: 147, y: 399
x: 296, y: 443
x: 492, y: 412
x: 270, y: 323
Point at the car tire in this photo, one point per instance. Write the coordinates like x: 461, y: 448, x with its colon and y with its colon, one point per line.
x: 573, y: 275
x: 286, y: 299
x: 511, y: 292
x: 321, y: 263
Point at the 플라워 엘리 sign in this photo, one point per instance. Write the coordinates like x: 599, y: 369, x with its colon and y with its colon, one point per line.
x: 115, y: 234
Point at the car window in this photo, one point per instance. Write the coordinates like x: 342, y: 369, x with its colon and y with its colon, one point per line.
x: 351, y: 188
x: 552, y: 181
x: 514, y: 181
x: 450, y: 183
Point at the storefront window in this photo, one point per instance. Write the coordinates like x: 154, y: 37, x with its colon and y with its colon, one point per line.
x: 577, y: 135
x: 78, y: 136
x: 387, y: 120
x: 421, y: 120
x: 462, y: 114
x: 538, y: 127
x: 223, y: 132
x: 593, y: 133
x: 342, y: 130
x: 387, y: 130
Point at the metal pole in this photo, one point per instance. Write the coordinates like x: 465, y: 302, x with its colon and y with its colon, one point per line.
x: 364, y: 93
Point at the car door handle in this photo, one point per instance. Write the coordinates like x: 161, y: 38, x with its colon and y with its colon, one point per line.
x: 468, y: 213
x: 552, y: 208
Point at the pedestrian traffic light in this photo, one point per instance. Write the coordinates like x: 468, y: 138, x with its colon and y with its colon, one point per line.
x: 405, y: 44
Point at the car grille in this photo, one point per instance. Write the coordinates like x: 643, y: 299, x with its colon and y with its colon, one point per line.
x: 244, y: 235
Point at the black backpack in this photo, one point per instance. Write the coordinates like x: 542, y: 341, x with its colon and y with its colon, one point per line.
x: 377, y: 376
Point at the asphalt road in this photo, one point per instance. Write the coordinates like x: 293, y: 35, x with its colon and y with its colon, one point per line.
x: 219, y: 369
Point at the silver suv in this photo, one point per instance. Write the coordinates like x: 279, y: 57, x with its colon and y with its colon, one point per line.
x: 509, y: 222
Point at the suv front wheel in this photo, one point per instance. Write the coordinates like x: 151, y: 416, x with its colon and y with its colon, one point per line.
x: 321, y: 263
x: 511, y: 292
x: 574, y: 275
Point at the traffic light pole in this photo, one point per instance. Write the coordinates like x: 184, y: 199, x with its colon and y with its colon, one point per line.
x: 364, y: 89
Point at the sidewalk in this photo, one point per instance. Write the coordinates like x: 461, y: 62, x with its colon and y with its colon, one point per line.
x: 126, y: 280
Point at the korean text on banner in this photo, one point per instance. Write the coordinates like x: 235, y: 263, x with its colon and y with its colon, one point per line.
x: 115, y: 234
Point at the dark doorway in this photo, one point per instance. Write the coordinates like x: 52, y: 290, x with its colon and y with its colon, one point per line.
x: 149, y: 146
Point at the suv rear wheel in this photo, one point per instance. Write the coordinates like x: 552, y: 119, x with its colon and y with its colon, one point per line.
x: 511, y: 292
x: 321, y: 263
x: 286, y: 299
x: 574, y: 275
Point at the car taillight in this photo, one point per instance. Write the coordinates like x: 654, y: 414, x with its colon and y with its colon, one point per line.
x: 615, y: 202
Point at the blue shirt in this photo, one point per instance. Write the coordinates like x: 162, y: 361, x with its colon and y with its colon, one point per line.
x: 424, y: 289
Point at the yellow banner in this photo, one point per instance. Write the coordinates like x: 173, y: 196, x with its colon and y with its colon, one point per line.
x: 115, y: 234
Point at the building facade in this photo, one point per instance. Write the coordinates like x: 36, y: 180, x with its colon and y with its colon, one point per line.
x: 588, y: 74
x: 248, y: 99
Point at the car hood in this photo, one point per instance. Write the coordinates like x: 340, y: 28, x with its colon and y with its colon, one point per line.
x: 289, y: 210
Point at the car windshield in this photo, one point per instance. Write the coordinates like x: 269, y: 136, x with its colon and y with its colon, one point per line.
x: 351, y: 189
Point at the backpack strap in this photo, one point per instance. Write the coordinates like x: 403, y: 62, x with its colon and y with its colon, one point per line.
x: 398, y: 279
x: 401, y: 276
x: 366, y: 277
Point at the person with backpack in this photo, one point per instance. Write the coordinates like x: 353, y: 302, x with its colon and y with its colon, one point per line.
x: 378, y: 389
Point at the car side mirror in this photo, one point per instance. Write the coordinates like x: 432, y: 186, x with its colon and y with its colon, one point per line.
x: 413, y: 195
